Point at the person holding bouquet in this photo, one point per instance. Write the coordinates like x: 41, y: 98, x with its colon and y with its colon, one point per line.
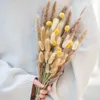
x: 18, y: 52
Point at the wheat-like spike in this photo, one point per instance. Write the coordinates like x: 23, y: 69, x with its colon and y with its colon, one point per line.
x: 64, y: 9
x: 82, y: 37
x: 38, y: 27
x: 45, y: 13
x: 69, y: 17
x: 43, y: 16
x: 52, y: 57
x: 63, y: 59
x: 83, y: 11
x: 41, y: 57
x: 76, y: 26
x: 43, y: 33
x: 59, y: 40
x: 47, y: 33
x: 47, y: 68
x: 47, y: 10
x: 53, y: 10
x: 55, y: 65
x: 47, y: 54
x: 41, y: 46
x: 47, y: 45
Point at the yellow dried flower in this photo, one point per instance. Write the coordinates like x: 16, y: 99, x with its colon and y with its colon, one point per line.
x: 69, y: 44
x: 52, y: 57
x: 67, y: 28
x: 49, y: 23
x: 41, y: 57
x: 59, y: 53
x: 54, y: 43
x: 41, y: 46
x: 61, y: 15
x: 47, y: 44
x: 75, y: 45
x: 57, y: 31
x: 55, y: 23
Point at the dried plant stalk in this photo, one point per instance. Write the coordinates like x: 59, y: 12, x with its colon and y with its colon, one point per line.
x: 38, y: 27
x: 45, y: 13
x: 47, y: 10
x: 43, y: 34
x: 41, y: 46
x: 47, y: 45
x: 41, y: 57
x: 53, y: 10
x: 68, y: 20
x: 76, y: 26
x: 64, y: 9
x: 47, y: 54
x: 52, y: 57
x: 82, y: 37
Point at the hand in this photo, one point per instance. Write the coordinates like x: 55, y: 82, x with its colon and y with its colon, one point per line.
x: 42, y: 92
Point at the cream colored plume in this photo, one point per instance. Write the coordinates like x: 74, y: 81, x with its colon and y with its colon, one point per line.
x: 41, y: 46
x: 47, y: 54
x: 75, y: 45
x: 52, y: 57
x: 63, y: 59
x: 55, y: 23
x: 55, y: 65
x: 43, y: 33
x: 41, y: 57
x: 53, y: 37
x: 59, y: 39
x: 47, y: 44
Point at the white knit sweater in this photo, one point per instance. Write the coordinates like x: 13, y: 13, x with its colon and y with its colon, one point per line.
x: 18, y: 50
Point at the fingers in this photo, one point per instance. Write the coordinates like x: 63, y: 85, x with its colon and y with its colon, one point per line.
x: 37, y: 83
x: 44, y: 92
x: 49, y: 88
x: 42, y: 96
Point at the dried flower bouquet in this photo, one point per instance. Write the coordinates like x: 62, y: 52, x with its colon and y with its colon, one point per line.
x: 57, y: 42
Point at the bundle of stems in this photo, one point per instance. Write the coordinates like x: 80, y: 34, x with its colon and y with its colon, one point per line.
x: 57, y: 43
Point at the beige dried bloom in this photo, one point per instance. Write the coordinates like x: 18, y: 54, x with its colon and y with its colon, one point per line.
x: 75, y: 45
x: 59, y: 40
x: 41, y: 57
x: 55, y: 23
x: 52, y: 57
x: 53, y: 37
x: 43, y: 33
x: 38, y: 27
x: 47, y: 45
x: 47, y: 54
x: 41, y: 46
x: 53, y: 10
x: 47, y: 68
x: 63, y: 59
x: 55, y: 65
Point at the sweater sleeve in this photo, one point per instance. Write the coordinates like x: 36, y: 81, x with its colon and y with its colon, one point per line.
x: 86, y: 57
x: 15, y: 83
